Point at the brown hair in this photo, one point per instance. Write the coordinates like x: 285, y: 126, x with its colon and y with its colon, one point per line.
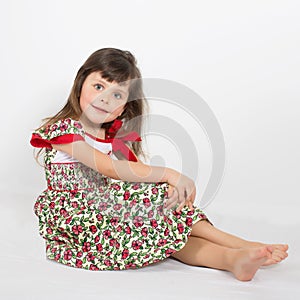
x: 114, y: 65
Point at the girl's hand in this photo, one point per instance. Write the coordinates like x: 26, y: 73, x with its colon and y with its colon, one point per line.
x: 185, y: 190
x: 173, y: 197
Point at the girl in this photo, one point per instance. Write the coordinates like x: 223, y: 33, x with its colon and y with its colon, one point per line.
x: 103, y: 208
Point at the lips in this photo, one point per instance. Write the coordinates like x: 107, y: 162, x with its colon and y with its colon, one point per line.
x: 99, y: 109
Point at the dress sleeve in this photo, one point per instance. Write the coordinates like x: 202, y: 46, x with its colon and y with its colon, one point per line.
x: 61, y: 132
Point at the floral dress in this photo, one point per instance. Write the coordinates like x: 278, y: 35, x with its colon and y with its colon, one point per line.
x: 94, y: 222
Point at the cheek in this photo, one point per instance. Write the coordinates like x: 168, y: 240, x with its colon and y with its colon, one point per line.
x: 85, y: 100
x: 118, y: 111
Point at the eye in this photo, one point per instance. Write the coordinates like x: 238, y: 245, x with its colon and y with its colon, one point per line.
x: 117, y: 95
x: 98, y: 87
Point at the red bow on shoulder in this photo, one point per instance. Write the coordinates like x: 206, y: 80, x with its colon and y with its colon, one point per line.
x: 118, y: 143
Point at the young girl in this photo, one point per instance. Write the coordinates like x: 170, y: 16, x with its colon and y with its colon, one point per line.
x: 103, y: 208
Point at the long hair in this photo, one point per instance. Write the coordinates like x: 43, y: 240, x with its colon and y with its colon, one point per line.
x: 115, y: 65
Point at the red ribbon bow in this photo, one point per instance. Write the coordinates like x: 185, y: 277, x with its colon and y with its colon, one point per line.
x: 118, y: 143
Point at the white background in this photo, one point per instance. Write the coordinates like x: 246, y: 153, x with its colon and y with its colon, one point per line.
x: 241, y: 57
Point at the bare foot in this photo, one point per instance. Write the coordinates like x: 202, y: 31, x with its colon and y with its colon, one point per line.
x: 247, y: 261
x: 279, y: 252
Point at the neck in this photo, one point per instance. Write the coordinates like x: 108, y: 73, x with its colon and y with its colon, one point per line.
x: 92, y: 128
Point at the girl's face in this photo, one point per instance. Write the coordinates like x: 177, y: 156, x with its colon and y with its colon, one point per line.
x: 102, y: 101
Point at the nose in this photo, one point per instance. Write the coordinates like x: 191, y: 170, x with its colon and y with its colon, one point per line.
x: 104, y: 100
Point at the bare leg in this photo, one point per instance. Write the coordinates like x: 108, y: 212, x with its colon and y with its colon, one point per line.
x: 205, y: 230
x: 243, y: 263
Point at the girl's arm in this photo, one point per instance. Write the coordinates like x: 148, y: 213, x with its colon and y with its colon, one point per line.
x: 128, y: 170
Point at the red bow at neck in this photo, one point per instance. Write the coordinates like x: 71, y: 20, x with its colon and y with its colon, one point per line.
x: 118, y: 143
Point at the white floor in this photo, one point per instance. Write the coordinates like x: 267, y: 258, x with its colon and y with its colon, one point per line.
x: 27, y: 274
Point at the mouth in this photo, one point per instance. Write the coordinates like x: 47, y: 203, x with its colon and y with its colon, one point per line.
x: 99, y: 109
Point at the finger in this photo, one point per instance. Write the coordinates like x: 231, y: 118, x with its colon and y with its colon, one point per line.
x: 172, y: 201
x: 172, y: 196
x: 191, y: 195
x: 181, y: 196
x: 169, y: 205
x: 180, y: 207
x: 171, y: 191
x: 190, y: 205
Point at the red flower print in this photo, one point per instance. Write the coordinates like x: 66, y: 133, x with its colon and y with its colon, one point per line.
x: 180, y: 227
x: 130, y: 266
x: 68, y: 221
x: 68, y: 255
x: 153, y: 223
x: 102, y: 206
x: 54, y: 127
x: 52, y: 205
x: 77, y: 125
x: 49, y: 230
x: 99, y: 217
x: 94, y: 268
x: 73, y: 194
x: 74, y: 204
x: 79, y: 254
x: 63, y: 212
x: 136, y: 186
x: 128, y: 230
x: 77, y: 229
x: 138, y: 221
x: 78, y: 263
x: 146, y: 202
x: 90, y: 256
x: 99, y: 247
x: 167, y: 231
x: 86, y: 247
x: 116, y: 187
x: 106, y: 234
x: 97, y: 239
x: 170, y: 251
x: 136, y: 245
x: 176, y: 214
x: 93, y: 229
x: 126, y: 215
x: 57, y: 256
x: 112, y: 242
x: 150, y: 214
x: 190, y: 212
x: 146, y: 263
x: 202, y: 216
x: 63, y: 127
x: 114, y: 221
x: 154, y: 191
x: 160, y: 210
x: 133, y: 203
x: 145, y: 231
x: 117, y: 245
x: 107, y: 262
x: 119, y: 228
x: 126, y: 195
x: 125, y: 253
x: 62, y: 200
x: 90, y: 202
x: 117, y: 206
x: 189, y: 221
x: 162, y: 242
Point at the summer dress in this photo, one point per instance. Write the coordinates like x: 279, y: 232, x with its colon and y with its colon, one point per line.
x: 94, y: 222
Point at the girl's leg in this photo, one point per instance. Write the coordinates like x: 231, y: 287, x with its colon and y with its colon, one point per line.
x: 205, y: 230
x: 243, y: 263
